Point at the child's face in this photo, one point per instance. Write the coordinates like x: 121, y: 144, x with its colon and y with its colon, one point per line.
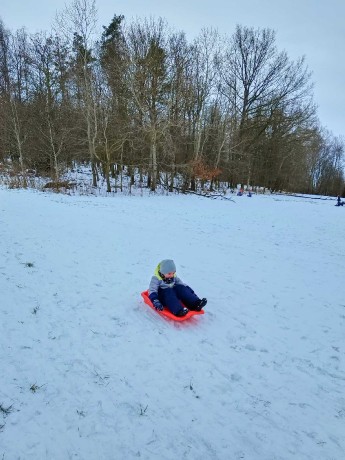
x: 169, y: 275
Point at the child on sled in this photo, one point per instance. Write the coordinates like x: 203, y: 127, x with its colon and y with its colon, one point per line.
x: 169, y: 290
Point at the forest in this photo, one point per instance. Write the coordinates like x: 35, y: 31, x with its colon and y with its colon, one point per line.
x: 140, y: 99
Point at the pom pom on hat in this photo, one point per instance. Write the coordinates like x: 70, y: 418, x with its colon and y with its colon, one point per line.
x: 167, y: 266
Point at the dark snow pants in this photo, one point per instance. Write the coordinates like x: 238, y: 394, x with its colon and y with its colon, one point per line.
x: 172, y: 298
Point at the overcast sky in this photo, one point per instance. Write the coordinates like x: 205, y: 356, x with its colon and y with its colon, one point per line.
x: 311, y: 28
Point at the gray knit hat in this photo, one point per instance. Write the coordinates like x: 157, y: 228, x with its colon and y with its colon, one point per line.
x: 167, y: 266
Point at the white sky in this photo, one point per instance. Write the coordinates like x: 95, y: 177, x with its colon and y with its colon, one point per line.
x: 313, y: 28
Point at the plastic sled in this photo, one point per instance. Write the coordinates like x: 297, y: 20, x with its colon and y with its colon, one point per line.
x: 165, y: 312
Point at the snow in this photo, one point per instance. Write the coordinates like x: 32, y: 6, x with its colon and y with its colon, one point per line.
x: 90, y: 372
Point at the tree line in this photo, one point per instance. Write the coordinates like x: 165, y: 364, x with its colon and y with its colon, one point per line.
x: 141, y: 98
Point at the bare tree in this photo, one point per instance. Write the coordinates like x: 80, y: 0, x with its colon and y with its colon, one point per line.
x: 258, y: 81
x: 78, y: 23
x: 326, y: 164
x: 17, y: 94
x: 5, y: 89
x: 148, y: 83
x: 205, y: 49
x: 51, y: 102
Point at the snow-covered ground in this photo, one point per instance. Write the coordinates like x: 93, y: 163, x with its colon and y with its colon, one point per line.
x: 88, y: 371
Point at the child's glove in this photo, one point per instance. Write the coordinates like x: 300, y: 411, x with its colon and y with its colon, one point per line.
x: 158, y: 306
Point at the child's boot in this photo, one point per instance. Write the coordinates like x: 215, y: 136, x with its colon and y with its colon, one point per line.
x: 182, y: 312
x: 201, y: 304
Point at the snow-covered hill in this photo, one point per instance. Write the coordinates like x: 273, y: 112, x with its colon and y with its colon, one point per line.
x: 90, y: 372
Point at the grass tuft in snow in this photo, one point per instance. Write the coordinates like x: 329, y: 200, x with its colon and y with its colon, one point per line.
x: 190, y: 386
x: 6, y: 410
x: 35, y: 310
x: 143, y: 409
x: 34, y: 387
x: 101, y: 379
x: 29, y: 264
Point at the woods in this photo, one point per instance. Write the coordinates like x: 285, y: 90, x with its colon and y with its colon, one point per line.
x: 140, y: 99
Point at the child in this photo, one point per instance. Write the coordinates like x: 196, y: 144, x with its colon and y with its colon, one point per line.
x: 339, y: 202
x: 167, y: 289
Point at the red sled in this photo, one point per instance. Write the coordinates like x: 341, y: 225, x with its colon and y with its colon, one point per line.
x: 165, y: 312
